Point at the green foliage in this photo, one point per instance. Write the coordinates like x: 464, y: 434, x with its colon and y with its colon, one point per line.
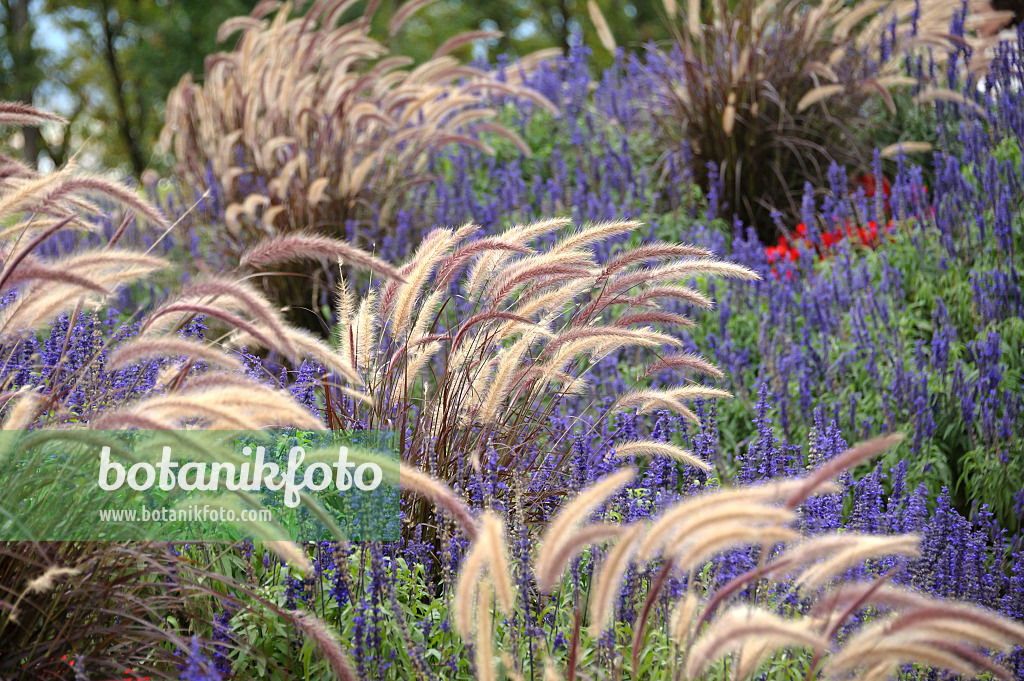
x: 107, y: 66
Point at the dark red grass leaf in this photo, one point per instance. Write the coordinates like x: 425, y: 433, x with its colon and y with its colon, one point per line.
x: 114, y: 610
x: 734, y: 585
x: 574, y: 647
x: 858, y: 602
x: 119, y: 232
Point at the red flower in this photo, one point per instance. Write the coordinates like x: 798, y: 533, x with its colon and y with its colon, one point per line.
x: 870, y: 184
x: 781, y: 252
x: 873, y: 230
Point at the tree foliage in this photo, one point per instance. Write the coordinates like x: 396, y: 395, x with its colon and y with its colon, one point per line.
x: 107, y: 65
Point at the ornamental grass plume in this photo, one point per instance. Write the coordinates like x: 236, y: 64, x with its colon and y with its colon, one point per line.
x: 849, y: 629
x: 560, y: 532
x: 327, y: 643
x: 846, y: 551
x: 662, y: 449
x: 38, y: 290
x: 310, y: 123
x: 39, y: 585
x: 923, y: 630
x: 470, y: 350
x: 752, y: 634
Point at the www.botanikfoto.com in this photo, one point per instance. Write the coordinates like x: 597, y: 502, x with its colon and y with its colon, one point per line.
x: 195, y: 513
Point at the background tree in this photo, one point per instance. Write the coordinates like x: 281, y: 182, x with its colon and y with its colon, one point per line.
x: 107, y: 65
x: 528, y: 25
x: 21, y: 59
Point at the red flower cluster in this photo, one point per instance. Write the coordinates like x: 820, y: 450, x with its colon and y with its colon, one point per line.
x: 868, y: 236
